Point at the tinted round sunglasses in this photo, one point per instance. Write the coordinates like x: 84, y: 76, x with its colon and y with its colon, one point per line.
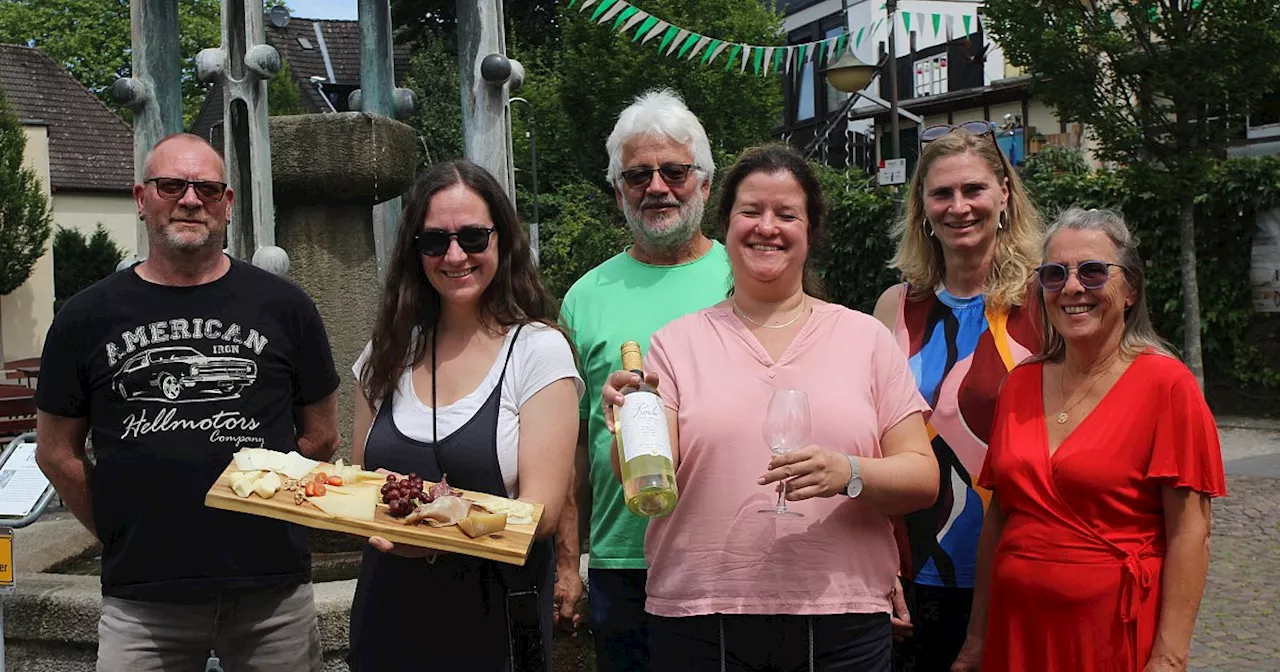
x: 1092, y: 274
x: 435, y: 242
x: 674, y: 174
x: 174, y: 188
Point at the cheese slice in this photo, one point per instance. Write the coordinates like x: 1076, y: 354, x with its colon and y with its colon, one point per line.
x: 268, y: 485
x: 295, y: 466
x: 518, y: 512
x: 354, y: 503
x: 244, y: 461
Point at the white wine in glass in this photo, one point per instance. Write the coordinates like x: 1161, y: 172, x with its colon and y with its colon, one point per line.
x: 786, y: 428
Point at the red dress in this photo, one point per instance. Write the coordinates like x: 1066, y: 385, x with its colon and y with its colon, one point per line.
x: 1076, y: 577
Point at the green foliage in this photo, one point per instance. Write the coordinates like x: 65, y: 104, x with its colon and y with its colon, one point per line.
x: 853, y: 261
x: 283, y: 97
x: 24, y: 209
x: 1153, y: 80
x: 433, y: 77
x: 91, y: 39
x: 581, y: 228
x: 1055, y: 159
x: 80, y: 261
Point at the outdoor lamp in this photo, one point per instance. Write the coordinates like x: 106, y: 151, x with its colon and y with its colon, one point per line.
x: 848, y: 74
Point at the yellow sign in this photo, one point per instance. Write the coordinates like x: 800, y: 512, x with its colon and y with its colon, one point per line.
x: 6, y: 559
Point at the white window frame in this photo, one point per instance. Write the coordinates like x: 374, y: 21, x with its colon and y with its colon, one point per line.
x: 935, y: 77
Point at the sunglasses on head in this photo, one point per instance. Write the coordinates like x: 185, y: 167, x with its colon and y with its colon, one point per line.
x: 674, y: 174
x: 932, y: 133
x: 435, y: 242
x: 1091, y: 274
x: 174, y: 188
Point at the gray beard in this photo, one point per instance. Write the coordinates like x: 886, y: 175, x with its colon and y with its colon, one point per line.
x: 673, y: 237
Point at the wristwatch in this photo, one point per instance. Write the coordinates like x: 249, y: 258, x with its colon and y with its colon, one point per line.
x: 854, y: 487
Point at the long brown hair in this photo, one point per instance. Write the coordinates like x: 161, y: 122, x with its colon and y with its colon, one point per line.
x: 919, y: 255
x: 409, y: 307
x: 774, y: 158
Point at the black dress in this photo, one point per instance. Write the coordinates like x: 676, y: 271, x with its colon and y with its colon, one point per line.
x: 458, y: 612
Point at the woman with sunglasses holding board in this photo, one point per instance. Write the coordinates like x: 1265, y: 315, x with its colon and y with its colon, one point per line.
x: 1103, y: 461
x: 967, y: 247
x: 468, y: 375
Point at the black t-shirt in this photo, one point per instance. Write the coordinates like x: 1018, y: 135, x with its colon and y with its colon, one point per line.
x: 174, y: 381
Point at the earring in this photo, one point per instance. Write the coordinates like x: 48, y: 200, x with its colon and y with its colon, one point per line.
x: 924, y: 224
x: 1002, y: 220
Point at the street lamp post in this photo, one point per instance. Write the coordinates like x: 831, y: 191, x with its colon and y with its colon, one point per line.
x: 891, y: 6
x: 533, y: 171
x: 850, y: 75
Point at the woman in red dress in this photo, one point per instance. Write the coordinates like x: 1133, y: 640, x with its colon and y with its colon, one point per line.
x: 1103, y: 461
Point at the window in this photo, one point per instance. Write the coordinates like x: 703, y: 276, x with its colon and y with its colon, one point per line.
x: 804, y: 93
x: 304, y: 43
x: 930, y: 76
x: 1264, y: 120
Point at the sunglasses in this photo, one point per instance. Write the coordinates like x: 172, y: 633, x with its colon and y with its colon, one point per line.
x: 975, y: 127
x: 1091, y: 274
x: 435, y: 242
x: 173, y: 188
x: 674, y: 174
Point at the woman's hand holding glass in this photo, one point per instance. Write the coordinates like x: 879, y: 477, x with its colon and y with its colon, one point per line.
x: 813, y: 471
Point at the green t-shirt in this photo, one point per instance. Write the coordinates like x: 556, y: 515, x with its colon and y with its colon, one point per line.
x: 618, y: 301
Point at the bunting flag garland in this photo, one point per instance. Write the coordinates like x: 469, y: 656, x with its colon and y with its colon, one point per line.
x: 671, y: 40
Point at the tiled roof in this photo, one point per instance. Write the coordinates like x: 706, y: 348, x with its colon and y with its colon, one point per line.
x: 90, y: 148
x: 341, y: 40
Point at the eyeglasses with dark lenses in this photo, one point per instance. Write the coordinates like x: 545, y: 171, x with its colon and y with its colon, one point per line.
x: 674, y: 174
x: 932, y: 133
x: 435, y: 242
x: 1092, y: 274
x: 174, y: 188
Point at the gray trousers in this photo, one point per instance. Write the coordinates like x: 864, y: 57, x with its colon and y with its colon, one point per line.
x: 272, y: 630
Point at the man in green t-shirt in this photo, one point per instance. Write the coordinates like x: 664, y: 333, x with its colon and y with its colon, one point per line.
x: 660, y: 166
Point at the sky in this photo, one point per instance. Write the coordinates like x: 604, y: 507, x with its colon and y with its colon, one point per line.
x: 323, y: 9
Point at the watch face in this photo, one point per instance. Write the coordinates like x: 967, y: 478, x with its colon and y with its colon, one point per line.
x: 855, y: 487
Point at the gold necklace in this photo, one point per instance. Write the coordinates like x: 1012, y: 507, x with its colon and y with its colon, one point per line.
x: 1062, y: 389
x: 736, y: 309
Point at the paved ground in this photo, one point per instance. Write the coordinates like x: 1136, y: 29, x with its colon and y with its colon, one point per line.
x: 1239, y: 624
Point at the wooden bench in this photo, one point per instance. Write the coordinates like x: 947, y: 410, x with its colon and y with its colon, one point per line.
x: 17, y: 410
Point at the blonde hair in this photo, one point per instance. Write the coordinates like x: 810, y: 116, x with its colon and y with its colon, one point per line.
x: 919, y: 255
x: 1139, y: 334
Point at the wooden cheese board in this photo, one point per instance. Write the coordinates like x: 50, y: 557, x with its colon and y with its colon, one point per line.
x: 510, y: 545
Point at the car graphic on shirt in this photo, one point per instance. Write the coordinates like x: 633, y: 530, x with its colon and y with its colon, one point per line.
x: 182, y: 374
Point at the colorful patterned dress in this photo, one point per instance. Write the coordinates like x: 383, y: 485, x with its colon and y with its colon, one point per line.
x: 960, y: 351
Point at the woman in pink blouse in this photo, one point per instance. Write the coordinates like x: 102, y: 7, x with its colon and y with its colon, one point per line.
x: 731, y: 588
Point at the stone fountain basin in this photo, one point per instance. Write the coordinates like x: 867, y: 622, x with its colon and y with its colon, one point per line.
x: 350, y: 157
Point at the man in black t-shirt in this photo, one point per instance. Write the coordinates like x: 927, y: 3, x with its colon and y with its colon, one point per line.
x: 171, y: 366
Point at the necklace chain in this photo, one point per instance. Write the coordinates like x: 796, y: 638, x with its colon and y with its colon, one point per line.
x: 1062, y: 388
x: 803, y: 304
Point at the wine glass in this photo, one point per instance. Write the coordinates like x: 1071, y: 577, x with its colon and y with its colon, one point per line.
x: 786, y: 428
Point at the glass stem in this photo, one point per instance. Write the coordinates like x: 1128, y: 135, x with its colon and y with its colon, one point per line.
x: 782, y: 492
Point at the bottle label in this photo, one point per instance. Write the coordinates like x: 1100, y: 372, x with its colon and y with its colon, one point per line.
x: 642, y: 422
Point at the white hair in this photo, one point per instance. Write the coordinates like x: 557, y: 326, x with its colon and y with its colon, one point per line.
x: 660, y: 112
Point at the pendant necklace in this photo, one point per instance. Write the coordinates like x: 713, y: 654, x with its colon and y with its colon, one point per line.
x: 784, y: 325
x: 1062, y: 388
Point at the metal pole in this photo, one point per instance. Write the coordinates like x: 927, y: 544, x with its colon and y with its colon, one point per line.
x: 377, y: 96
x: 895, y: 141
x: 533, y: 170
x: 486, y: 126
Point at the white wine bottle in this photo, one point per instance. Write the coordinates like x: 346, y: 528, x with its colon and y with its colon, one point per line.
x: 644, y: 445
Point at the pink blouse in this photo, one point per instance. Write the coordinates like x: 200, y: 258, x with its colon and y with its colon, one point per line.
x: 715, y: 553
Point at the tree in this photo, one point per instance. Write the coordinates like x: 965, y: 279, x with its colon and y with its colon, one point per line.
x: 91, y: 39
x: 80, y: 261
x: 283, y: 97
x: 1161, y: 82
x: 24, y: 209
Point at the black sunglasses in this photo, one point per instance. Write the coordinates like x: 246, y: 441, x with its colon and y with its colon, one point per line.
x: 932, y: 133
x: 435, y: 242
x: 1092, y: 274
x: 174, y: 188
x: 674, y: 174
